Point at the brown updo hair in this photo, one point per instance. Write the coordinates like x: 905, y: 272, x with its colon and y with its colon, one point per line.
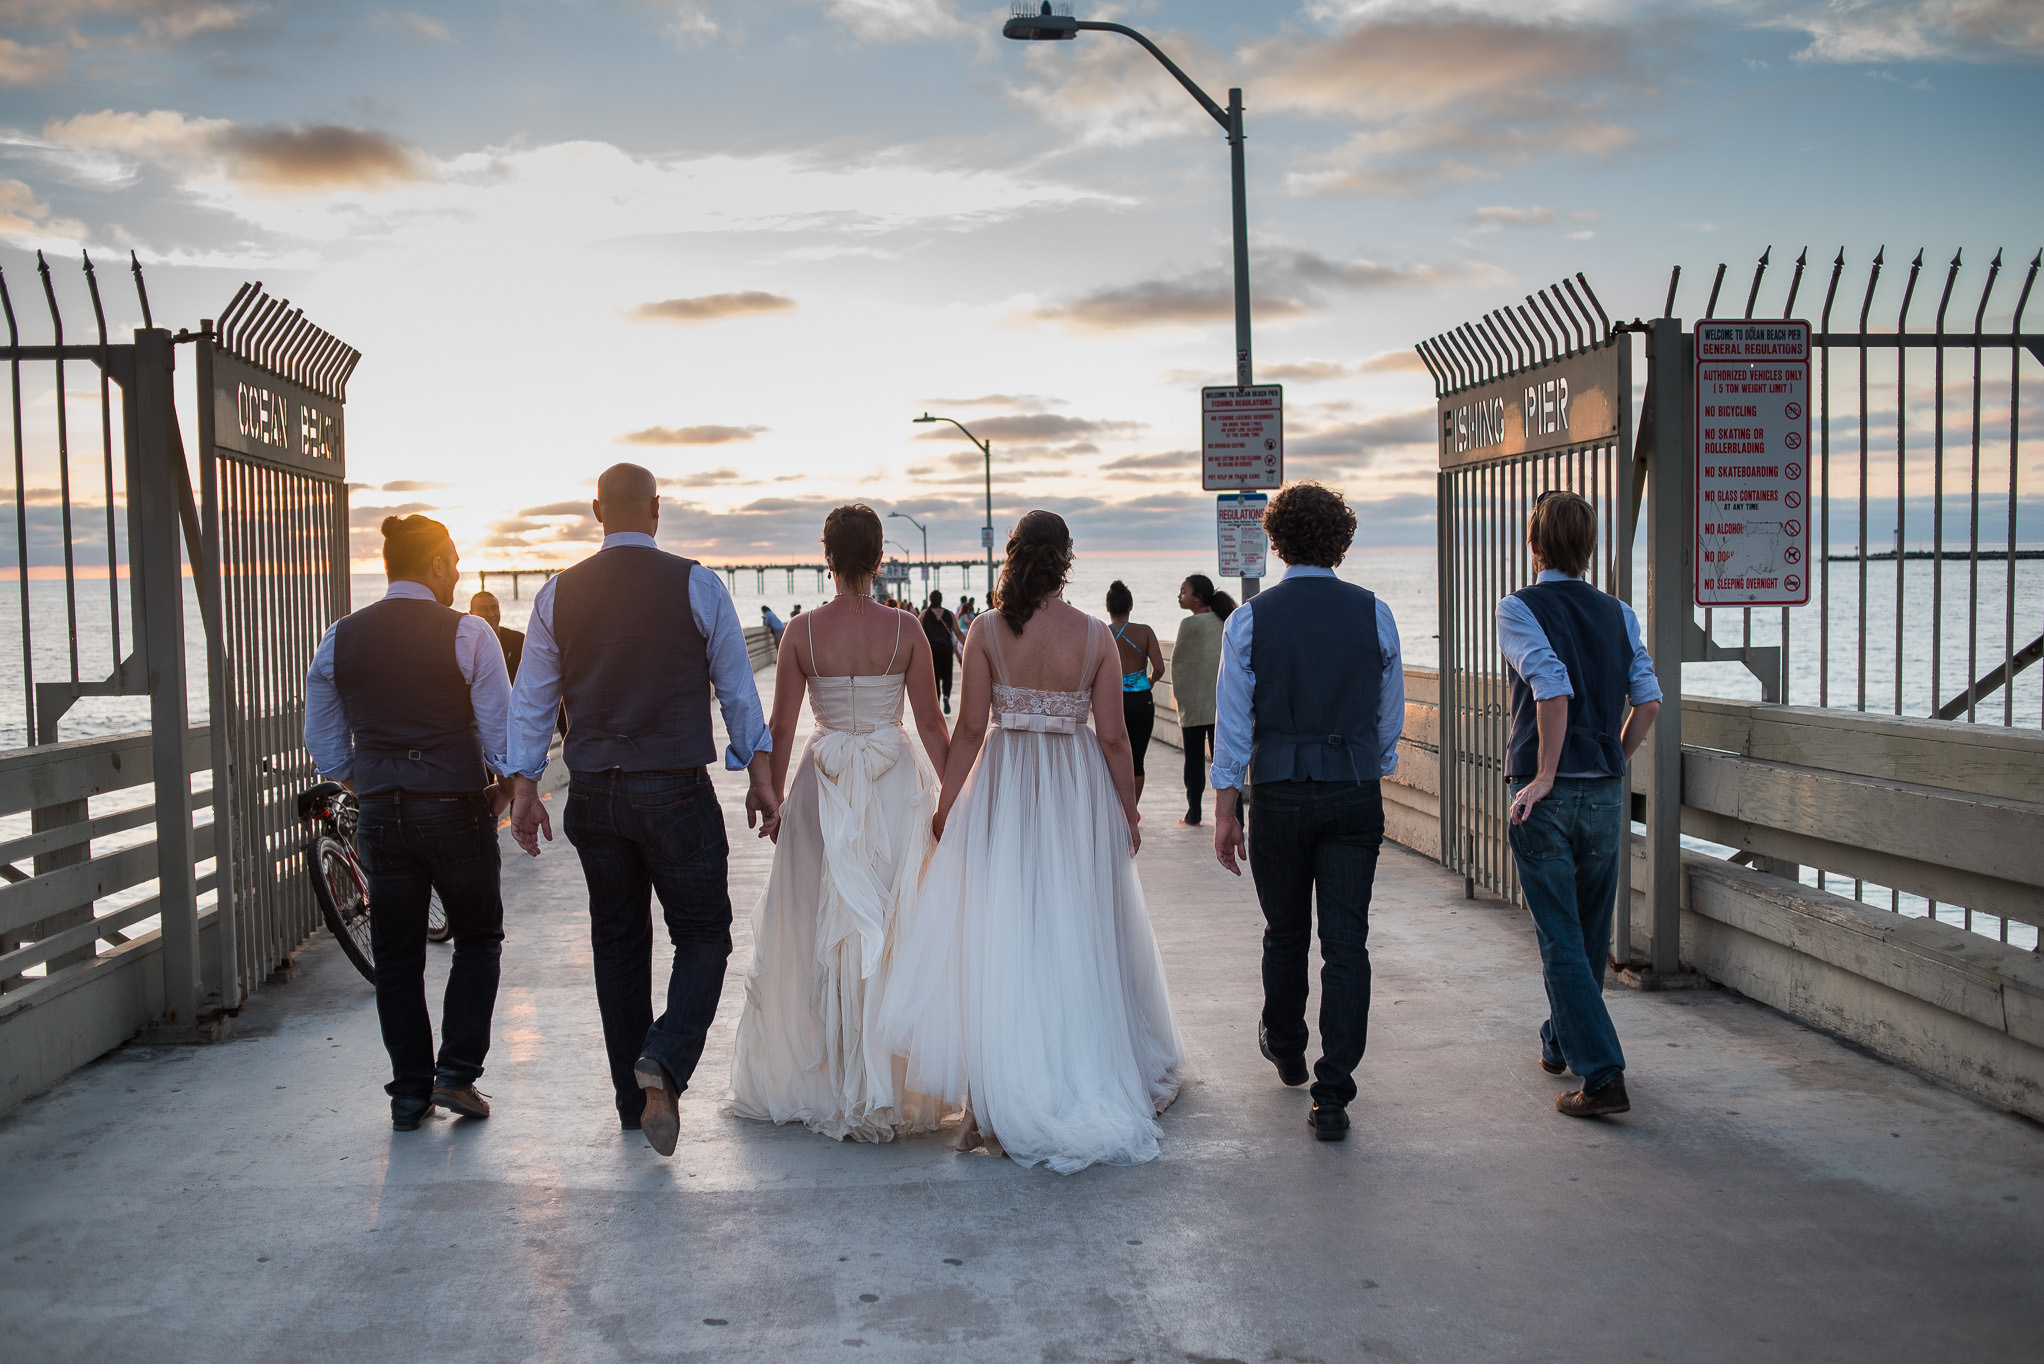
x: 853, y: 541
x: 411, y: 542
x: 1039, y: 560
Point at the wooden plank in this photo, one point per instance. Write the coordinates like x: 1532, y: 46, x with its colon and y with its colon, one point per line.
x: 50, y: 774
x: 1984, y: 759
x: 26, y: 902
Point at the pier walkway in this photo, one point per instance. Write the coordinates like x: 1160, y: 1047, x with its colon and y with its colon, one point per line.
x: 1774, y: 1195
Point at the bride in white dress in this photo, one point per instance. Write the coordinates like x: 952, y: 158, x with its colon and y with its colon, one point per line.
x: 853, y: 839
x: 1026, y: 986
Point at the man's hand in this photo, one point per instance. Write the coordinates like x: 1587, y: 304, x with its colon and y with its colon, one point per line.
x: 500, y: 796
x: 1229, y: 844
x: 528, y: 816
x: 762, y: 806
x: 1530, y: 795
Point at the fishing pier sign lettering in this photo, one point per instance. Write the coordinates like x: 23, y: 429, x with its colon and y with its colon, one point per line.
x: 1752, y: 463
x: 1570, y: 401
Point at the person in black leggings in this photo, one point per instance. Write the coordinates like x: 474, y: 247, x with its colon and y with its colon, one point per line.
x: 1142, y: 663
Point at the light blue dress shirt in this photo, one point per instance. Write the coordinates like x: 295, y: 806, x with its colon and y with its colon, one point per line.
x: 332, y: 743
x: 1235, y: 689
x: 537, y: 697
x: 1524, y: 646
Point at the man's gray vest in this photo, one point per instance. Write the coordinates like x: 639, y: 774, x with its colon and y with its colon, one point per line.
x: 407, y: 704
x: 1586, y: 630
x: 1319, y: 672
x: 635, y: 669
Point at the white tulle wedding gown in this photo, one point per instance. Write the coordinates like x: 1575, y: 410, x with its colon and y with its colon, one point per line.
x: 1026, y: 985
x: 855, y: 834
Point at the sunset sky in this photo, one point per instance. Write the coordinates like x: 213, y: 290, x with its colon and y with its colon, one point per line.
x: 745, y: 243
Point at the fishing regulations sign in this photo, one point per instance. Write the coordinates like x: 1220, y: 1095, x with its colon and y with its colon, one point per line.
x: 1752, y: 463
x: 1242, y: 438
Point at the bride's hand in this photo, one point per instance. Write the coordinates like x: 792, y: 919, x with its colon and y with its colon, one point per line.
x: 937, y: 824
x: 1135, y: 835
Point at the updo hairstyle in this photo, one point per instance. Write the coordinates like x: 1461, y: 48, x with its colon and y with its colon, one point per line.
x: 1120, y: 601
x: 410, y: 544
x: 1206, y: 594
x: 1039, y: 560
x: 853, y: 541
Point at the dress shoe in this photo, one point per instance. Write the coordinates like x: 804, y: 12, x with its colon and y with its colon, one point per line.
x: 1329, y: 1122
x: 1291, y: 1069
x: 1554, y: 1067
x: 407, y: 1111
x: 661, y: 1122
x: 466, y: 1100
x: 1595, y: 1103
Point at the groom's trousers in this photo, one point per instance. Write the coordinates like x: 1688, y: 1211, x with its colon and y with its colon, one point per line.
x: 639, y: 833
x: 1308, y: 840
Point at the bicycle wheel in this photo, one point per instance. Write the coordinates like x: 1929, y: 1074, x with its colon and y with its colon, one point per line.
x: 343, y: 899
x: 437, y: 927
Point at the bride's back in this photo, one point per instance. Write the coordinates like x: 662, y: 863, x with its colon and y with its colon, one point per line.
x: 1050, y: 652
x: 854, y: 637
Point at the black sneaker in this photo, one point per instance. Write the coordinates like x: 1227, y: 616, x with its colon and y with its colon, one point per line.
x: 1329, y: 1122
x: 1291, y: 1069
x: 407, y: 1111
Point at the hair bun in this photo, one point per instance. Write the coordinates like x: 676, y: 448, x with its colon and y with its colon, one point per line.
x: 392, y: 525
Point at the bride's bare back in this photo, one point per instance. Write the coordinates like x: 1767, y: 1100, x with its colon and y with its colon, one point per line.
x: 1051, y: 649
x: 851, y: 637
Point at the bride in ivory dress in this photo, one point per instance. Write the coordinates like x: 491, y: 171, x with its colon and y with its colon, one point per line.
x: 854, y: 836
x: 1026, y: 987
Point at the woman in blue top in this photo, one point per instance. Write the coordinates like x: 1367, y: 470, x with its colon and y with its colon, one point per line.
x: 1142, y: 663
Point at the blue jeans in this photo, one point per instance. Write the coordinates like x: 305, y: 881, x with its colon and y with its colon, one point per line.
x: 1569, y: 851
x: 408, y: 849
x: 637, y: 833
x: 1319, y: 840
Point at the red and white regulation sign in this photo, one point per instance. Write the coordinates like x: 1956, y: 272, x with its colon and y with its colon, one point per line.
x: 1752, y: 463
x: 1243, y: 435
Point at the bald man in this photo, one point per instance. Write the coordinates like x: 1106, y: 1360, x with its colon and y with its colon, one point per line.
x: 486, y: 607
x: 635, y: 641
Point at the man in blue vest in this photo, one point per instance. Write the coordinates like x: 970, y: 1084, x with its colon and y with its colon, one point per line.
x: 1309, y: 705
x: 405, y: 706
x: 636, y: 641
x: 1573, y: 662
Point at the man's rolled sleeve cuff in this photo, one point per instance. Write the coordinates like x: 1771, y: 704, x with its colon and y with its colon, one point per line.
x: 1226, y: 779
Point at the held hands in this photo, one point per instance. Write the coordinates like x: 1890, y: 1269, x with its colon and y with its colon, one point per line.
x: 500, y: 796
x: 1529, y: 796
x: 763, y: 810
x: 528, y: 816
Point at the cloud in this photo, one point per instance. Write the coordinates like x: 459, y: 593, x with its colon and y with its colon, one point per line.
x: 414, y: 485
x: 1363, y: 439
x: 371, y: 518
x: 1503, y: 215
x: 273, y: 158
x: 712, y: 307
x: 1300, y: 371
x: 1172, y: 466
x: 1285, y: 282
x: 898, y: 20
x: 692, y: 24
x: 27, y: 220
x: 156, y: 22
x: 690, y: 435
x: 1405, y: 361
x: 1915, y: 30
x: 22, y: 64
x: 1024, y: 400
x: 424, y: 26
x: 558, y: 509
x: 1032, y: 426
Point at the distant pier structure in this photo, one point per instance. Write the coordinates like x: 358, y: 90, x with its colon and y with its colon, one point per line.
x: 896, y: 576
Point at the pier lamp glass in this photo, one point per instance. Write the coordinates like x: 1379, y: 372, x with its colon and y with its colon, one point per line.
x: 1041, y: 26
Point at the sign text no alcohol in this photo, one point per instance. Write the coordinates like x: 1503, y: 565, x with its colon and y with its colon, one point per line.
x: 1752, y: 463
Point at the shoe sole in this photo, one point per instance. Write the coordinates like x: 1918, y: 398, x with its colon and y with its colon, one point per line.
x: 460, y: 1106
x: 662, y: 1131
x: 1305, y: 1073
x: 1602, y: 1110
x: 1553, y: 1070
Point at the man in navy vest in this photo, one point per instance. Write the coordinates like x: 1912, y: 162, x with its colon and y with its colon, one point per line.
x: 1573, y: 662
x: 635, y: 641
x: 405, y: 706
x: 1309, y: 705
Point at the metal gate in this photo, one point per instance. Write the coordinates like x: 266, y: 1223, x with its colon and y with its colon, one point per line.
x: 273, y: 477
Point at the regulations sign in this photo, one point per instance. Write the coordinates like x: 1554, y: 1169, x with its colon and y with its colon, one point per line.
x: 1238, y: 517
x: 1752, y: 463
x: 1243, y: 436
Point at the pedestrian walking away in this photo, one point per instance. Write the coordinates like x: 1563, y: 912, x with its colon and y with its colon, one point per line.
x: 947, y: 641
x: 635, y: 641
x: 1308, y: 708
x: 1195, y: 661
x: 1582, y: 694
x: 405, y: 705
x: 1142, y: 664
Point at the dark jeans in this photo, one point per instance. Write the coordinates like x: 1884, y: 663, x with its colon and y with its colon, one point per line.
x: 1139, y: 714
x: 940, y: 663
x: 1569, y: 855
x: 409, y: 848
x: 1308, y: 839
x: 637, y: 833
x: 1199, y: 751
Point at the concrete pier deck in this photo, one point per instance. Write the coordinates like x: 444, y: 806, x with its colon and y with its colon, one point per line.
x: 1774, y: 1195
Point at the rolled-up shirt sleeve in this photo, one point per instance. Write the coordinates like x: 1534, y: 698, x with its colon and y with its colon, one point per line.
x: 1524, y: 646
x: 1234, y: 692
x: 1390, y: 691
x: 730, y: 668
x: 327, y: 737
x: 480, y: 656
x: 1641, y: 685
x: 536, y: 698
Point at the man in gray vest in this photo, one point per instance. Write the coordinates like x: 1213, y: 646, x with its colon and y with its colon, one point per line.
x: 1583, y: 696
x: 405, y: 706
x: 1308, y: 706
x: 635, y: 642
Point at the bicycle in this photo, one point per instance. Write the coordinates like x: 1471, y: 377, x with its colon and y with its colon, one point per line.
x: 338, y: 884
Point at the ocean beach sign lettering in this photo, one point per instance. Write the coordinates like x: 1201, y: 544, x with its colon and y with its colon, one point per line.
x: 265, y: 416
x: 1752, y: 463
x: 1570, y: 401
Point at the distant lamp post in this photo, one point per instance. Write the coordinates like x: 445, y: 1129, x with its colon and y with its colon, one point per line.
x: 1044, y: 26
x: 986, y: 450
x: 926, y: 544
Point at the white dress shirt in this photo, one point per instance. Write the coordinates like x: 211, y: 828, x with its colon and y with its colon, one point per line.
x: 537, y: 698
x: 1235, y: 690
x: 476, y: 652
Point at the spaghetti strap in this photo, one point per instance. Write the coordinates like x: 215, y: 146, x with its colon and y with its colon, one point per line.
x: 810, y: 629
x: 888, y: 671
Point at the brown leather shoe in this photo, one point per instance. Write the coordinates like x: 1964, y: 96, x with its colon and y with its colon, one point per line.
x: 466, y: 1100
x: 1551, y: 1068
x: 1595, y: 1103
x: 661, y: 1122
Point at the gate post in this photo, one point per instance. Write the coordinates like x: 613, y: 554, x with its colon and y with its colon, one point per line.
x: 1670, y: 547
x: 159, y: 572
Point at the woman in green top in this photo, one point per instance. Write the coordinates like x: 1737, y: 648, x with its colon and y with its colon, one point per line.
x: 1195, y: 663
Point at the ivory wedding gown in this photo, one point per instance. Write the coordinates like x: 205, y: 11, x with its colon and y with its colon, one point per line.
x: 855, y: 834
x: 1026, y: 985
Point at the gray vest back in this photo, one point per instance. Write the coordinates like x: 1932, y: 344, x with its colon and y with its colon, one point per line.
x: 1319, y: 673
x: 635, y: 668
x: 408, y: 706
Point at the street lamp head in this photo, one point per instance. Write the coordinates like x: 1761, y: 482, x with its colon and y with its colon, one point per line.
x: 926, y: 417
x: 1041, y: 25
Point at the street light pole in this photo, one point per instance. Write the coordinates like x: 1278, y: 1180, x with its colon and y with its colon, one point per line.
x: 926, y: 546
x: 1045, y: 27
x: 986, y: 450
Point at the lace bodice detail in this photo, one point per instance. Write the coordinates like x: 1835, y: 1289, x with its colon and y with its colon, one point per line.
x: 1070, y: 705
x: 1037, y: 709
x: 857, y: 705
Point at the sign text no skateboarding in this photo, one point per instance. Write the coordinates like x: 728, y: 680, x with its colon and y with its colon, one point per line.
x: 1752, y: 463
x: 1243, y: 434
